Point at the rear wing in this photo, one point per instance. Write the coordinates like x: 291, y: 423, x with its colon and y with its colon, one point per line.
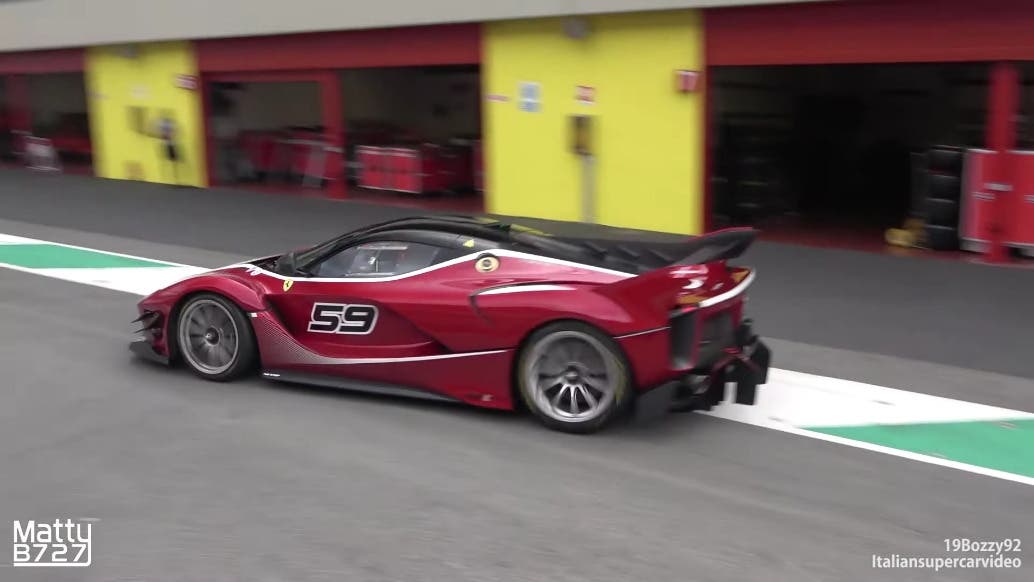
x: 701, y: 278
x: 721, y: 245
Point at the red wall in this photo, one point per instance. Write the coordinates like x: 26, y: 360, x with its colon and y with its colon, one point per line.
x: 871, y: 31
x: 427, y: 45
x: 52, y: 61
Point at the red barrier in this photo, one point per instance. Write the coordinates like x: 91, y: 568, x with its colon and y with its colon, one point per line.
x: 406, y: 175
x: 414, y: 169
x: 371, y: 159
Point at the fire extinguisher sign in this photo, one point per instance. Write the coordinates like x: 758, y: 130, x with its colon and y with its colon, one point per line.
x: 585, y: 95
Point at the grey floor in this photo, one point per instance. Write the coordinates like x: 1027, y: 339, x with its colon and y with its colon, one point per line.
x: 259, y: 481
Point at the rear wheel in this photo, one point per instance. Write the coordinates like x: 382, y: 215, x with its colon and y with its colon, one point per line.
x: 573, y: 378
x: 214, y: 338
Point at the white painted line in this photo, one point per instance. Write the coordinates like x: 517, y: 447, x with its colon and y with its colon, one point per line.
x: 139, y: 280
x: 10, y: 239
x: 806, y: 400
x: 136, y: 280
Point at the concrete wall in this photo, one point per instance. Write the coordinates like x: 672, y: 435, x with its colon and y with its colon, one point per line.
x: 36, y: 24
x: 649, y: 138
x: 435, y: 104
x: 278, y: 105
x: 54, y: 95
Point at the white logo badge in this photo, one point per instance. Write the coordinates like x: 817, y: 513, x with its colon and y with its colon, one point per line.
x: 61, y: 543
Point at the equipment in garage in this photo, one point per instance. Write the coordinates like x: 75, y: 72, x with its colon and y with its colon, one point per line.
x: 408, y: 130
x: 831, y: 152
x: 413, y: 130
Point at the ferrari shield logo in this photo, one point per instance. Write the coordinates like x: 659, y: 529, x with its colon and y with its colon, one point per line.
x: 487, y: 264
x: 287, y: 285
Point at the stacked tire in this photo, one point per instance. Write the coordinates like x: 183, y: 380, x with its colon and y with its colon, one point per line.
x: 943, y: 197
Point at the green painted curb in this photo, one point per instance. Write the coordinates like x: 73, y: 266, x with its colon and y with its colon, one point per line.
x: 47, y: 256
x: 1005, y: 445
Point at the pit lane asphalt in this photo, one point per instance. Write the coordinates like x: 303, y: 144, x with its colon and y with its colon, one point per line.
x: 261, y: 481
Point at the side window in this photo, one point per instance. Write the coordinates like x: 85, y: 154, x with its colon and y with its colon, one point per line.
x: 381, y: 259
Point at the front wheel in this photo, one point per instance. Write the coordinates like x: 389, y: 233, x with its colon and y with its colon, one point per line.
x: 214, y: 338
x: 574, y: 378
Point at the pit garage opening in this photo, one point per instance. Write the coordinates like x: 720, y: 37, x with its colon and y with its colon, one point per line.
x: 839, y: 154
x: 410, y: 135
x: 58, y: 110
x: 261, y: 132
x: 47, y: 111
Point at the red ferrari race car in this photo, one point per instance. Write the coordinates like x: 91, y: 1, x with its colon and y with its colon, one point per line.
x: 579, y: 328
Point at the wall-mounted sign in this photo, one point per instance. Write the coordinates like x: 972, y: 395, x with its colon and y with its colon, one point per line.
x: 531, y: 97
x: 188, y: 82
x: 687, y: 81
x: 585, y: 94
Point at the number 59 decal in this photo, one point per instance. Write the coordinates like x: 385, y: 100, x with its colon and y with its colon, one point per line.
x: 342, y: 318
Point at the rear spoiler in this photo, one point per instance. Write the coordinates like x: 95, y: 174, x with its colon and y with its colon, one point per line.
x: 705, y: 263
x: 721, y: 245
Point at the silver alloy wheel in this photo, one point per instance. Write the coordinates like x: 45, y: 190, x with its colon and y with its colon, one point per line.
x: 208, y: 336
x: 571, y: 376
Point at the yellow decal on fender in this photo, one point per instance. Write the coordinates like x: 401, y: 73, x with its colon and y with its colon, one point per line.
x: 469, y: 243
x: 287, y: 285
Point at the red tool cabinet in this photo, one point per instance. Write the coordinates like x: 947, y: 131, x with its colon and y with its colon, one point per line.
x: 980, y: 197
x: 422, y: 169
x: 1020, y: 207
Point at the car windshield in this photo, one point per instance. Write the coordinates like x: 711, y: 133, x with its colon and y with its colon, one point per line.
x: 298, y: 262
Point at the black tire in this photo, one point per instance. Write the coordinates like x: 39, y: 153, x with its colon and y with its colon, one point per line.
x: 226, y: 316
x: 940, y: 212
x: 944, y: 187
x: 583, y: 365
x: 942, y: 238
x: 945, y: 160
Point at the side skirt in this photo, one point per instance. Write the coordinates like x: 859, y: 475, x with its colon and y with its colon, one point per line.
x: 326, y: 381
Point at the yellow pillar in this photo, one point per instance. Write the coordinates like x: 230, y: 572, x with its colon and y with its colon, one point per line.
x: 140, y: 83
x: 648, y: 137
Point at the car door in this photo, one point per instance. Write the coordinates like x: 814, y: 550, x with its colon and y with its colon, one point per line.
x: 344, y: 308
